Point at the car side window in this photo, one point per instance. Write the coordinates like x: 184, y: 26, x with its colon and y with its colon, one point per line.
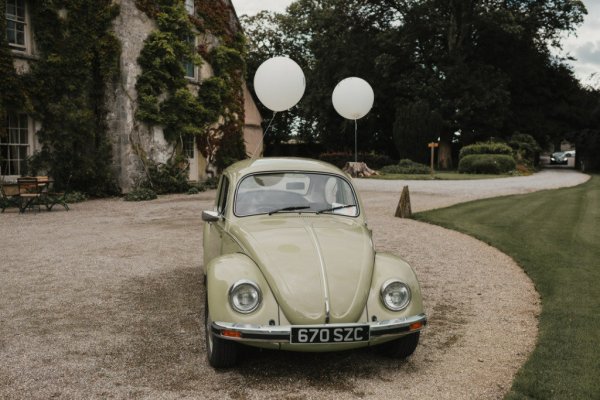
x: 222, y: 199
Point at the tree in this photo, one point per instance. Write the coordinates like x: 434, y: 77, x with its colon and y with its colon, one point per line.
x: 474, y: 66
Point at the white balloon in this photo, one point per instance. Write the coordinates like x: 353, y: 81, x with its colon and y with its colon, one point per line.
x: 279, y: 83
x: 353, y: 98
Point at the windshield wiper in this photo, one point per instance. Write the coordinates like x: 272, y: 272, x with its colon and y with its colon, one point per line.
x: 336, y: 208
x: 292, y: 208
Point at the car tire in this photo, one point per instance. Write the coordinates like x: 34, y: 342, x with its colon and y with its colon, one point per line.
x: 400, y: 348
x: 221, y: 353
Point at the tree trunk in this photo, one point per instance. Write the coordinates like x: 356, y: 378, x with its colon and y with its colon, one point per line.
x: 358, y: 170
x: 444, y: 156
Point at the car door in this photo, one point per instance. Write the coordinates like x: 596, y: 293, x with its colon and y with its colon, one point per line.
x: 214, y: 231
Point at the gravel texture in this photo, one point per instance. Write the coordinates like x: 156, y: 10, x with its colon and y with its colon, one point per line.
x: 105, y: 301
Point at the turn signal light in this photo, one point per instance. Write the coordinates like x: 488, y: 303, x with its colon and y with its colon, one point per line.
x: 231, y: 334
x: 415, y: 326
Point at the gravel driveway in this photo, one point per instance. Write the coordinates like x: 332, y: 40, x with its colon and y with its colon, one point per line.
x: 105, y: 301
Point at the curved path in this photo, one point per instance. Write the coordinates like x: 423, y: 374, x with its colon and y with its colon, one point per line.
x: 105, y: 301
x: 437, y: 193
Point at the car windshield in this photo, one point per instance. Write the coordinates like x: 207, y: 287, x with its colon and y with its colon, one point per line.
x: 294, y: 192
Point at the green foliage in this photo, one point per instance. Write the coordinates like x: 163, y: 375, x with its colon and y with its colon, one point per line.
x: 525, y: 148
x: 12, y: 93
x: 486, y: 164
x: 66, y: 90
x: 164, y: 94
x: 486, y: 148
x: 211, y: 183
x: 588, y: 140
x: 554, y: 236
x: 415, y: 126
x: 141, y: 194
x: 437, y: 67
x: 75, y: 197
x: 406, y: 166
x: 373, y: 160
x: 588, y: 150
x: 169, y: 177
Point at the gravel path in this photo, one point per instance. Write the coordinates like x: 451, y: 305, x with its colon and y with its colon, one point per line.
x: 438, y: 193
x: 105, y: 301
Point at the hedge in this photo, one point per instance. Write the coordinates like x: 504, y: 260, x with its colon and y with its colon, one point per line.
x: 373, y: 160
x: 486, y: 148
x: 486, y: 164
x: 406, y: 166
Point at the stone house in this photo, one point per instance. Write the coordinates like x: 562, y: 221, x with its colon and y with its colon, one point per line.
x: 131, y: 27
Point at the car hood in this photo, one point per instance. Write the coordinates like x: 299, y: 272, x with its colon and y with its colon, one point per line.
x: 312, y: 263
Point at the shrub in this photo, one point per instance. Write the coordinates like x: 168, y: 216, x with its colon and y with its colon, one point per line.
x: 486, y: 148
x: 75, y: 197
x: 170, y: 177
x: 406, y: 166
x: 196, y: 188
x: 211, y: 183
x: 340, y: 158
x: 526, y: 149
x: 486, y: 164
x: 141, y: 194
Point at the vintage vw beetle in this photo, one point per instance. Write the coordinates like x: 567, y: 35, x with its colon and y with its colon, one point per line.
x: 289, y: 264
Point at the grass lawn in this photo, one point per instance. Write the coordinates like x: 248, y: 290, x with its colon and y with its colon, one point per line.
x: 446, y: 176
x: 555, y: 236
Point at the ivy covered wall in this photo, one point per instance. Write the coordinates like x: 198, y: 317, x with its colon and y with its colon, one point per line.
x: 215, y: 114
x: 65, y: 90
x: 101, y: 64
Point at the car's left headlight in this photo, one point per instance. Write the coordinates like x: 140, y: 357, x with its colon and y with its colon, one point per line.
x: 244, y: 296
x: 395, y: 295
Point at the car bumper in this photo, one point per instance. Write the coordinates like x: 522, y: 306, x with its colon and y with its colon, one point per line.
x: 255, y: 334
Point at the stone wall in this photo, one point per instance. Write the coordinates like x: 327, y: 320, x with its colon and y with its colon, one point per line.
x: 133, y: 140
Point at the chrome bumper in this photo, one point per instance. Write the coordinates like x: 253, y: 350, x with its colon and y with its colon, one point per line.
x: 281, y: 334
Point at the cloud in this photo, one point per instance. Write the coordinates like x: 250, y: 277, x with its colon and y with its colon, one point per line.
x: 251, y: 7
x: 588, y: 52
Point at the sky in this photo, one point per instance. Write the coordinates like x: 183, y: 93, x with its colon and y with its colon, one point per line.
x: 584, y: 46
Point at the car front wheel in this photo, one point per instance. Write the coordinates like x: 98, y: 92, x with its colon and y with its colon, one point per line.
x: 400, y: 348
x: 221, y: 353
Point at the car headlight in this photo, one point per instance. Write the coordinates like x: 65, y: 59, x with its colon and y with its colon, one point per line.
x: 244, y: 296
x: 395, y: 295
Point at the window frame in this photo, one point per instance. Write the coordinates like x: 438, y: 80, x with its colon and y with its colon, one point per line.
x: 223, y: 195
x: 10, y: 145
x: 341, y: 177
x: 18, y: 22
x: 187, y: 63
x: 188, y: 146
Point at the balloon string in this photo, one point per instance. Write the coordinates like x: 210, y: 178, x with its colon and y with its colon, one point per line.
x: 262, y: 139
x: 355, y: 141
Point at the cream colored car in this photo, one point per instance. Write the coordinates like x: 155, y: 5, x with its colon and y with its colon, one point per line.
x: 289, y: 264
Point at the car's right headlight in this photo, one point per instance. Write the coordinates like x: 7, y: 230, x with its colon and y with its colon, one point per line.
x: 244, y: 296
x: 395, y: 295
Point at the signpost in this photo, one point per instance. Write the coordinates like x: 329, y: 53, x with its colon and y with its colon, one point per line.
x: 432, y: 146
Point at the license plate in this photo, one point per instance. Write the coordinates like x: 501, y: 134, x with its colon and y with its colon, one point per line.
x: 330, y: 334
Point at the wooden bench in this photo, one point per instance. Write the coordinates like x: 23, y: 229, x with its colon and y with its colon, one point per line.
x: 30, y: 192
x: 9, y: 195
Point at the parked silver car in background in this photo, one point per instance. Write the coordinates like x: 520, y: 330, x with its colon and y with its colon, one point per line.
x: 562, y: 157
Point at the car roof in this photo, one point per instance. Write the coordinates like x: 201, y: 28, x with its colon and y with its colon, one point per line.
x: 270, y: 164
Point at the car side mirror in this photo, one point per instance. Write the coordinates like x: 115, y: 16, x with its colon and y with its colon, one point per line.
x: 210, y: 216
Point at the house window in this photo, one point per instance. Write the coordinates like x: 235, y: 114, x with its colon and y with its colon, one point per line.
x: 188, y: 65
x: 15, y: 23
x: 188, y: 146
x: 15, y: 145
x: 189, y: 6
x: 190, y: 69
